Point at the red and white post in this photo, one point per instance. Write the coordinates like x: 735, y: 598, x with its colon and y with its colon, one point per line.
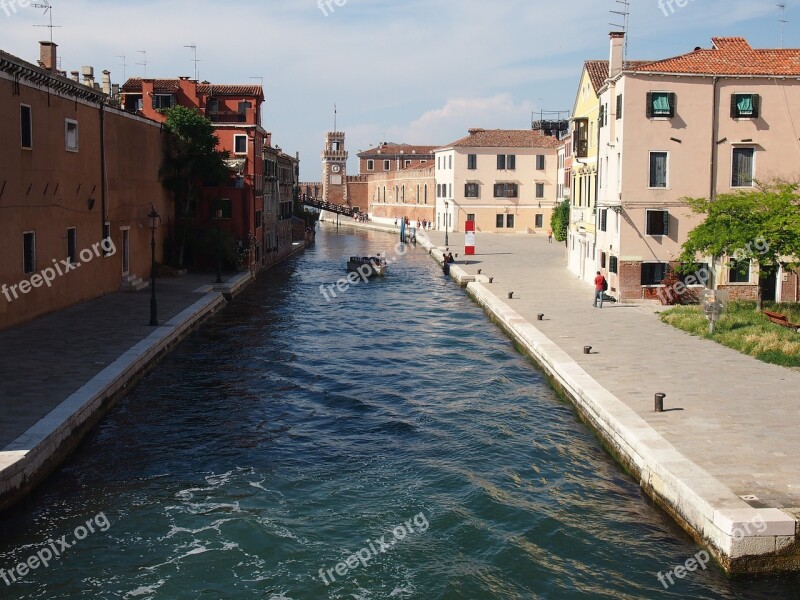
x: 469, y: 238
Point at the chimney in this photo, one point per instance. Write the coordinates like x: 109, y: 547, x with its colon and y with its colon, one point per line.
x: 88, y: 76
x: 75, y: 76
x: 48, y: 56
x: 617, y: 51
x: 107, y: 82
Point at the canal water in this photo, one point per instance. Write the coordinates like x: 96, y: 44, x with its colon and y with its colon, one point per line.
x: 388, y: 442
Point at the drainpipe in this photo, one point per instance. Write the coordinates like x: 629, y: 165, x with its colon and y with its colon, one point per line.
x: 714, y: 156
x: 103, y: 210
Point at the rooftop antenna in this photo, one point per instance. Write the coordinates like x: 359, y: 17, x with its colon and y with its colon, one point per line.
x: 625, y: 13
x: 124, y: 67
x: 144, y: 62
x: 47, y: 10
x: 782, y: 19
x: 334, y: 118
x: 193, y: 47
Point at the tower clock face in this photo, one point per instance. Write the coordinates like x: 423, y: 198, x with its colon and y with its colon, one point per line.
x: 336, y: 168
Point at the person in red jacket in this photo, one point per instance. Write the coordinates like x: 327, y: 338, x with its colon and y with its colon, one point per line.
x: 599, y: 288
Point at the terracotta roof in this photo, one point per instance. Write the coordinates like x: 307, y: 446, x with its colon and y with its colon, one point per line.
x: 172, y: 86
x: 396, y: 150
x: 505, y: 138
x: 729, y: 56
x: 598, y: 72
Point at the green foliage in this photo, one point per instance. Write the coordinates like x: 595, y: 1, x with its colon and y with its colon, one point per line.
x: 559, y: 221
x: 745, y: 330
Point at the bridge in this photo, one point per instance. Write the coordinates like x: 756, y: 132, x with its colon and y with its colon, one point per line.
x: 347, y: 211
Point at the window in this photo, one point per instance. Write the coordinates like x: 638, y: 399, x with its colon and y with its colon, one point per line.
x: 619, y: 106
x: 657, y: 222
x: 653, y: 273
x: 106, y: 236
x: 501, y: 162
x: 539, y: 222
x: 604, y: 219
x: 540, y: 190
x: 540, y: 162
x: 370, y: 165
x: 511, y: 162
x: 163, y: 101
x: 28, y: 252
x: 450, y: 195
x: 426, y: 193
x: 602, y: 115
x: 470, y: 217
x: 613, y: 265
x: 745, y: 106
x: 580, y: 138
x: 240, y: 144
x: 72, y: 245
x: 510, y: 221
x: 450, y: 161
x: 26, y: 126
x: 661, y: 104
x: 334, y: 145
x: 472, y: 161
x: 403, y: 194
x: 658, y: 169
x: 701, y: 275
x: 501, y: 219
x: 602, y: 260
x: 407, y: 163
x: 472, y: 190
x: 743, y: 163
x: 739, y: 271
x: 71, y: 135
x: 259, y: 219
x: 387, y: 165
x: 226, y: 206
x: 506, y: 190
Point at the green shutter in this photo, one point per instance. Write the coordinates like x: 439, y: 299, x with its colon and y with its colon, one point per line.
x: 756, y: 106
x: 649, y: 105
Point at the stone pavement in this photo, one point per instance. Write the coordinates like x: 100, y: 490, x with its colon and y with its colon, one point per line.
x: 45, y: 361
x: 735, y: 417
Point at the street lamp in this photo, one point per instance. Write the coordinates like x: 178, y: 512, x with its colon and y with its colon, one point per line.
x: 446, y: 215
x: 219, y: 245
x: 154, y: 219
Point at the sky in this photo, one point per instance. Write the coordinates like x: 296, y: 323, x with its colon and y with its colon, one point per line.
x: 408, y: 71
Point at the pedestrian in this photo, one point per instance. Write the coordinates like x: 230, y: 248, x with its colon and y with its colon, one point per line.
x: 395, y: 222
x: 600, y: 286
x: 550, y: 236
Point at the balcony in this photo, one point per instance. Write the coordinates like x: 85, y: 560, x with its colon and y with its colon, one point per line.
x: 227, y: 116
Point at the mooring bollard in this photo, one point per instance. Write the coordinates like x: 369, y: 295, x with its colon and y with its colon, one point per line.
x: 491, y: 279
x: 540, y: 317
x: 660, y: 402
x: 510, y: 295
x: 587, y: 349
x: 479, y: 271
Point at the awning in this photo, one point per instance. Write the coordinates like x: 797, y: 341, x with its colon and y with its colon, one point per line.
x: 236, y: 164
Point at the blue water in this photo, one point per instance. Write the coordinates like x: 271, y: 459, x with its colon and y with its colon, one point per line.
x: 291, y: 432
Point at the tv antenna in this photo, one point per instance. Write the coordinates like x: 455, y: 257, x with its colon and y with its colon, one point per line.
x: 334, y: 118
x: 144, y: 61
x: 124, y: 67
x: 782, y: 20
x: 193, y: 47
x: 625, y: 13
x: 48, y: 10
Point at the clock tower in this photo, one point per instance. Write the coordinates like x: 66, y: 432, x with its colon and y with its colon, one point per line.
x: 334, y: 168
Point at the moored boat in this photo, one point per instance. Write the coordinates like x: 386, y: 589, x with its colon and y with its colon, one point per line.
x: 368, y: 266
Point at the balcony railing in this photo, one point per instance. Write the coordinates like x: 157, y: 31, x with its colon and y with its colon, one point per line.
x: 227, y: 116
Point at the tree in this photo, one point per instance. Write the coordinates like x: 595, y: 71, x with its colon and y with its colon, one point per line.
x: 559, y: 221
x: 762, y: 225
x: 191, y: 158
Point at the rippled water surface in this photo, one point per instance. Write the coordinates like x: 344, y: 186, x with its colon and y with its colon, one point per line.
x: 291, y: 432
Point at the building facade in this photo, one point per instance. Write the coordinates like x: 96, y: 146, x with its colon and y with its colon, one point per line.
x: 709, y: 122
x: 390, y: 157
x: 79, y: 179
x: 407, y: 193
x: 504, y: 180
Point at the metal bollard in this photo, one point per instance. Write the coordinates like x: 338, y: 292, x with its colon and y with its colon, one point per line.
x: 510, y: 295
x: 660, y: 402
x: 540, y: 317
x: 587, y: 349
x: 491, y: 279
x: 479, y: 271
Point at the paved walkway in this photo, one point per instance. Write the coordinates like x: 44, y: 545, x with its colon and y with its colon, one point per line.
x: 44, y: 361
x: 730, y: 414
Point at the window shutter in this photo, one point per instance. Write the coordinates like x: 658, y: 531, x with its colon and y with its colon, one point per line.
x: 734, y: 107
x: 649, y: 110
x: 512, y: 162
x: 756, y: 106
x: 666, y: 222
x: 619, y: 106
x: 602, y: 114
x: 673, y: 104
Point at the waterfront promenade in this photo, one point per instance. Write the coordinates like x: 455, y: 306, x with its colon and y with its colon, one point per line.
x: 724, y: 453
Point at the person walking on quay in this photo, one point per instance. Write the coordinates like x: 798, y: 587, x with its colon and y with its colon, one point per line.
x: 549, y: 236
x: 600, y: 286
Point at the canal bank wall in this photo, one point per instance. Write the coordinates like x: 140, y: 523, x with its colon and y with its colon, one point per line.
x: 29, y: 459
x: 742, y: 538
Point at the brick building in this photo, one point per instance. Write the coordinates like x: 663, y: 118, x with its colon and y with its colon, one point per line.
x: 405, y: 193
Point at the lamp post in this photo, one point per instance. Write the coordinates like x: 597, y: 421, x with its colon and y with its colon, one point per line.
x: 154, y: 218
x: 446, y: 216
x: 219, y: 245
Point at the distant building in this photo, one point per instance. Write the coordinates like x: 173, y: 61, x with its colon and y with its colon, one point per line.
x: 390, y: 157
x: 709, y: 122
x: 235, y: 111
x: 504, y: 180
x: 76, y: 173
x: 281, y: 187
x: 407, y: 193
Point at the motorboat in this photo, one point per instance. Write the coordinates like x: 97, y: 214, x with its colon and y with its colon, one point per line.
x: 368, y: 266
